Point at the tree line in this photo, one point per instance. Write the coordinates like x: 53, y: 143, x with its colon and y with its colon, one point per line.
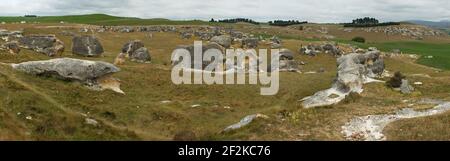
x: 236, y: 20
x: 286, y: 23
x: 368, y: 22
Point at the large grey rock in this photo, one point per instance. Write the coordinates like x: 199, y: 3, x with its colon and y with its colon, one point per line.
x: 331, y: 49
x: 405, y: 87
x: 68, y: 69
x: 286, y: 54
x: 141, y: 55
x: 244, y: 122
x: 286, y: 62
x: 250, y: 42
x: 136, y: 51
x: 223, y: 40
x: 354, y: 70
x: 46, y: 44
x: 86, y: 46
x: 130, y: 47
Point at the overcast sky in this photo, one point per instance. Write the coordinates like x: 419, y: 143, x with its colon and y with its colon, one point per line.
x: 260, y: 10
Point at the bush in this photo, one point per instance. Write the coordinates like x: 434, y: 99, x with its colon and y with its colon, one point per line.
x: 396, y: 81
x: 359, y: 39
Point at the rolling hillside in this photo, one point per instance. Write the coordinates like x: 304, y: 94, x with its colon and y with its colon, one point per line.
x: 100, y: 19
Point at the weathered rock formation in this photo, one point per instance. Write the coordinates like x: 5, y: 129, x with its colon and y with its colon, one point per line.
x: 353, y: 71
x: 94, y: 74
x: 223, y: 40
x: 287, y: 62
x: 136, y: 51
x: 11, y: 47
x: 86, y: 46
x: 45, y: 44
x: 250, y: 43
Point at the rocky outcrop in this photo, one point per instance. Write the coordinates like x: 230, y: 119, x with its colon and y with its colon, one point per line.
x: 287, y: 62
x: 130, y: 47
x: 223, y: 40
x: 94, y: 74
x: 353, y: 71
x: 250, y: 43
x: 313, y: 50
x: 141, y: 55
x: 86, y: 46
x: 11, y: 47
x: 176, y: 59
x: 45, y: 44
x: 8, y: 36
x: 370, y: 128
x: 416, y: 32
x: 136, y: 51
x: 405, y: 87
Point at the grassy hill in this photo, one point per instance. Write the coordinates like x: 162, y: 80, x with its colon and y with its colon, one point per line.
x: 101, y: 19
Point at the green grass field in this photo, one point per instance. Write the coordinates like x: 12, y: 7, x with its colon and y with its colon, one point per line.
x: 101, y: 19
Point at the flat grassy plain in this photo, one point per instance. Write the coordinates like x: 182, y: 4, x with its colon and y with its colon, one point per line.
x: 57, y: 108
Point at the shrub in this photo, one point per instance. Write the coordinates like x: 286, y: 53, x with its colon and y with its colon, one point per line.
x: 396, y: 81
x: 359, y: 39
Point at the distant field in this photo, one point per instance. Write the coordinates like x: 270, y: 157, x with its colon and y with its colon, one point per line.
x: 101, y: 19
x: 440, y: 52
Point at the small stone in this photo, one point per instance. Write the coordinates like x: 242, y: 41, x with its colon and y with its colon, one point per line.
x: 166, y: 101
x: 91, y: 121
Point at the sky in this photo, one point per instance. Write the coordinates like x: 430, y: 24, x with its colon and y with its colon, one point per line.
x: 323, y: 11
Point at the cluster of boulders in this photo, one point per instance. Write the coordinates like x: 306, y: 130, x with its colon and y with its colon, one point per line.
x: 177, y: 59
x: 136, y: 51
x: 287, y: 62
x: 128, y: 29
x: 417, y: 32
x: 313, y: 50
x: 354, y: 70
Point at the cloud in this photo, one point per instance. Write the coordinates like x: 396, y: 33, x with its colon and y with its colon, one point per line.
x: 261, y: 10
